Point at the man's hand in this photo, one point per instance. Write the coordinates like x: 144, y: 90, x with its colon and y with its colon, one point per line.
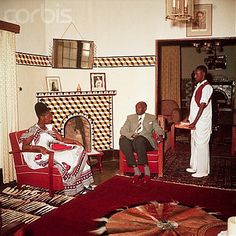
x: 77, y: 143
x: 185, y: 119
x: 192, y: 126
x: 159, y: 138
x: 134, y: 135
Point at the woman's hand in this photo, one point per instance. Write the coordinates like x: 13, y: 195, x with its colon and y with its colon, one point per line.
x: 42, y: 150
x: 78, y: 143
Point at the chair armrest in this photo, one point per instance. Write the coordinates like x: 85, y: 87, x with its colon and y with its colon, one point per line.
x: 162, y: 121
x: 20, y: 151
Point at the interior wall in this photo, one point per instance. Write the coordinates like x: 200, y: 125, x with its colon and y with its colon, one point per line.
x: 118, y: 27
x: 30, y: 80
x: 30, y: 15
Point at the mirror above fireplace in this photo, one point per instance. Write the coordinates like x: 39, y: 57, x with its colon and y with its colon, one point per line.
x: 72, y: 54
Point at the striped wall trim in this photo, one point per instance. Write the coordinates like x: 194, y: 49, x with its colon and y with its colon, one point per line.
x: 121, y: 61
x: 131, y: 61
x: 32, y: 59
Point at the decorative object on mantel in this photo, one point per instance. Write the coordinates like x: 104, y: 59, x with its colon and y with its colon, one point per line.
x: 96, y: 107
x: 98, y: 81
x: 53, y: 83
x: 201, y: 25
x: 78, y: 89
x: 179, y: 10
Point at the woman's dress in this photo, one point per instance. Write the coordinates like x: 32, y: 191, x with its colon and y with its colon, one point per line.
x: 72, y: 164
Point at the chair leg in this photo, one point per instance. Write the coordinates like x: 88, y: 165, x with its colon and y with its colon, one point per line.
x: 51, y: 192
x: 18, y: 185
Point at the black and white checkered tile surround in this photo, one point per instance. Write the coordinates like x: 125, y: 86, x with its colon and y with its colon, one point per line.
x: 97, y: 107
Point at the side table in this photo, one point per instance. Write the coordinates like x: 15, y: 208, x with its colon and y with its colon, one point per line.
x: 180, y: 125
x: 98, y: 157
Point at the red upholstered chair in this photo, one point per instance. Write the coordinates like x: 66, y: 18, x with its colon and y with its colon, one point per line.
x: 48, y: 177
x: 155, y: 158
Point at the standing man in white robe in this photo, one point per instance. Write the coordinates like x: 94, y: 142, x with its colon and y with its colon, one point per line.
x: 200, y: 119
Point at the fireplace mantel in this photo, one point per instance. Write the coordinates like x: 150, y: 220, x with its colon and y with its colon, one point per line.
x: 76, y: 93
x: 95, y: 106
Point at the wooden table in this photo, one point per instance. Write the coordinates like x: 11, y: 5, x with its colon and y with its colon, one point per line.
x: 172, y: 133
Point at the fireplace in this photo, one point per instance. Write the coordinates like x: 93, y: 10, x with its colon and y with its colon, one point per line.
x: 222, y: 101
x: 79, y: 128
x: 86, y: 116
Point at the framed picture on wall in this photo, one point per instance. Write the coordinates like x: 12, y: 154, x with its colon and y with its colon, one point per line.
x: 98, y: 81
x: 53, y: 83
x: 201, y: 25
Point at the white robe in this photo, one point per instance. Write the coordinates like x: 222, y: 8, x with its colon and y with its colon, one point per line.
x: 72, y: 164
x: 200, y: 137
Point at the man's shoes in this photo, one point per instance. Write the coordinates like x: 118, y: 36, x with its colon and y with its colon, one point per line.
x: 136, y: 178
x: 146, y: 179
x: 190, y: 170
x: 196, y: 175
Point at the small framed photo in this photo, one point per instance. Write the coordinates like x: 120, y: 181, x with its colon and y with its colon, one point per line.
x: 53, y: 83
x: 201, y: 25
x: 98, y: 81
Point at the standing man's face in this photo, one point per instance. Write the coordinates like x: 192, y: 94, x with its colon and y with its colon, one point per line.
x: 199, y: 75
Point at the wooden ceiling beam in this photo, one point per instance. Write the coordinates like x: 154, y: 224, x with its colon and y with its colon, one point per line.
x: 7, y: 26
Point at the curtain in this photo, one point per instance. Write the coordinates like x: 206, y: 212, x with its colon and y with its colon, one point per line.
x: 8, y: 105
x: 170, y: 73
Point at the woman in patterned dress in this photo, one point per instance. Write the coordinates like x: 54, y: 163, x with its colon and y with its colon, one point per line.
x: 69, y: 155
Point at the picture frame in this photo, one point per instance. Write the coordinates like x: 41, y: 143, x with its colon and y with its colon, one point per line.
x: 98, y: 81
x: 201, y: 25
x: 53, y: 83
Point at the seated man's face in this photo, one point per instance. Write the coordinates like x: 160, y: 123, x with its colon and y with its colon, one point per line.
x: 140, y: 108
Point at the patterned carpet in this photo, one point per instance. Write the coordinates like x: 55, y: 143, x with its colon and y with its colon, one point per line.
x: 28, y: 204
x: 222, y: 167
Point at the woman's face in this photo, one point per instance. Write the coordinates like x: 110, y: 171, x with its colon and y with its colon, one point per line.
x: 47, y: 117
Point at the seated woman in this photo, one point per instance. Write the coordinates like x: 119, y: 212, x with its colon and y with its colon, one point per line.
x: 71, y: 160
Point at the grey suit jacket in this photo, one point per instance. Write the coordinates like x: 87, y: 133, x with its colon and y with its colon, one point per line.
x: 150, y: 125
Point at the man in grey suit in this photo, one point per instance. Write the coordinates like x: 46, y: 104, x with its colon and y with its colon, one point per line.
x: 136, y: 135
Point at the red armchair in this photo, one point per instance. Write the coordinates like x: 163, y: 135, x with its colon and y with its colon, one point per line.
x: 48, y: 177
x: 155, y: 158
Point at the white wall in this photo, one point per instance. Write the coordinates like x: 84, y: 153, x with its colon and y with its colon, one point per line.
x: 30, y: 80
x: 118, y: 27
x: 29, y: 15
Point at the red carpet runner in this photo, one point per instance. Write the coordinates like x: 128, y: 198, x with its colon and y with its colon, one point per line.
x: 76, y: 217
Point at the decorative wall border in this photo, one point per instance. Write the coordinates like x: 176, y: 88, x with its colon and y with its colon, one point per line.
x: 121, y: 61
x: 32, y: 59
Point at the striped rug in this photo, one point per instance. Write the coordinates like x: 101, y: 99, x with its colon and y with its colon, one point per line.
x: 28, y: 203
